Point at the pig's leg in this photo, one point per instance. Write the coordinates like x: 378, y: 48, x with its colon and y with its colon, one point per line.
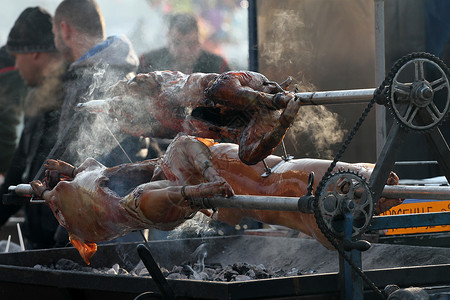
x: 265, y: 132
x: 40, y: 190
x: 190, y: 161
x: 67, y: 169
x: 229, y: 90
x: 384, y: 203
x: 171, y: 203
x: 61, y: 167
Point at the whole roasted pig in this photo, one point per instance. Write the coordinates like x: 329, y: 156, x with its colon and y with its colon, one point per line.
x: 242, y: 107
x: 99, y: 204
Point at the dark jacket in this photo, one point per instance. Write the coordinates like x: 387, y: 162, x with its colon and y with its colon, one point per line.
x: 12, y: 92
x: 161, y: 59
x: 89, y: 78
x: 42, y: 107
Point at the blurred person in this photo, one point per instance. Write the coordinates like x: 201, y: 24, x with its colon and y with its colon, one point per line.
x: 30, y: 42
x: 12, y: 92
x: 184, y: 51
x: 96, y: 62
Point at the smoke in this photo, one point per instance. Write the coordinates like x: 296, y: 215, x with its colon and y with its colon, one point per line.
x: 47, y: 95
x: 318, y: 126
x: 274, y: 48
x: 99, y: 135
x: 97, y: 79
x: 279, y: 47
x: 198, y: 226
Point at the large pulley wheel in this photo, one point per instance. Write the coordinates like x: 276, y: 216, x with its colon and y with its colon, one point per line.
x: 343, y: 192
x: 420, y: 92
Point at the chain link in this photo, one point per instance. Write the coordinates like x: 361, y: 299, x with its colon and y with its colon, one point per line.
x: 381, y: 92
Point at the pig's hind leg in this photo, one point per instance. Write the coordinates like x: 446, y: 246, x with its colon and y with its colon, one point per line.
x: 67, y: 169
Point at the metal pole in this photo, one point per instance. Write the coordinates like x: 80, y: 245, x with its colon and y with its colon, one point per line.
x: 417, y: 192
x: 336, y: 97
x: 353, y: 284
x: 295, y: 203
x: 379, y: 73
x: 289, y: 203
x: 307, y: 98
x: 253, y: 36
x: 249, y: 202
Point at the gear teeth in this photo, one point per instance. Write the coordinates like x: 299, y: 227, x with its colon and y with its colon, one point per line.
x: 326, y: 213
x: 394, y: 71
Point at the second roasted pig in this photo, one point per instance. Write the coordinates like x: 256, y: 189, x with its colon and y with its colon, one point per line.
x: 242, y: 107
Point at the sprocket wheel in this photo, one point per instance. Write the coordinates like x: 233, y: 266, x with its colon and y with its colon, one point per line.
x: 346, y: 191
x: 420, y: 92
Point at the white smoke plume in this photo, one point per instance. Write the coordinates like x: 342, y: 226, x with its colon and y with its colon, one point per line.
x: 318, y: 126
x: 198, y: 226
x: 287, y: 41
x: 99, y: 134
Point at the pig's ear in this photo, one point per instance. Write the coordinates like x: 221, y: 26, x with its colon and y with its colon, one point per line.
x: 86, y: 250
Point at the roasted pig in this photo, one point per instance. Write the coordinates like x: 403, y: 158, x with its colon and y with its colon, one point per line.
x: 98, y: 203
x: 241, y: 107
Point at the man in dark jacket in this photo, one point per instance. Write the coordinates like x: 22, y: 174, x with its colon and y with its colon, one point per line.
x: 96, y: 63
x: 12, y: 92
x: 30, y: 41
x: 184, y: 52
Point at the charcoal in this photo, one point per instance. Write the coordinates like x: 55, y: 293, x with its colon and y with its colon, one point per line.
x: 177, y: 276
x: 165, y: 272
x: 67, y: 264
x: 211, y: 273
x: 242, y: 278
x: 250, y: 273
x: 177, y: 269
x: 239, y: 271
x: 241, y: 268
x: 214, y: 266
x: 228, y: 273
x: 187, y: 270
x: 143, y: 272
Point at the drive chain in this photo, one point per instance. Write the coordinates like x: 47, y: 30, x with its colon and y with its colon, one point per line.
x: 381, y: 95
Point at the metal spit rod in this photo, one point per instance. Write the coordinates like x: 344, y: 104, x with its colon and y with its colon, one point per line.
x: 296, y: 204
x: 336, y: 97
x: 307, y: 98
x: 290, y: 203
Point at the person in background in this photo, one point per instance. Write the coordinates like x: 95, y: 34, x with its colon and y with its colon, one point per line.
x: 30, y: 42
x: 183, y: 52
x: 12, y: 92
x: 96, y: 63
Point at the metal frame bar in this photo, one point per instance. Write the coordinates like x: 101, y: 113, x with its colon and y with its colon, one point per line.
x: 411, y: 220
x: 253, y: 36
x: 380, y: 72
x: 294, y: 203
x: 336, y: 97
